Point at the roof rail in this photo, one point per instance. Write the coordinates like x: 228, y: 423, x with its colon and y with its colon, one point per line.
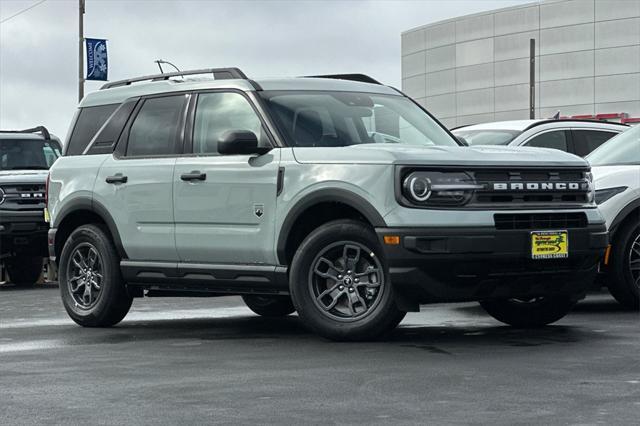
x: 218, y: 74
x: 574, y: 120
x: 351, y: 77
x: 39, y: 129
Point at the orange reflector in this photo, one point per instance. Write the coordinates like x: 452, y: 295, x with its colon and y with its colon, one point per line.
x: 392, y: 240
x: 607, y: 253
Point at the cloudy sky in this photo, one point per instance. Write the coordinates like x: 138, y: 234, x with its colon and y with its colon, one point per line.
x: 39, y: 48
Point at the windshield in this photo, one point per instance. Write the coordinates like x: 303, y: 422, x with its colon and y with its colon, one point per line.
x: 487, y: 136
x: 330, y: 119
x: 25, y: 154
x: 621, y: 149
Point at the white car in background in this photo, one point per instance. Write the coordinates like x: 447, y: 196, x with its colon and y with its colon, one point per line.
x: 578, y: 137
x: 616, y: 174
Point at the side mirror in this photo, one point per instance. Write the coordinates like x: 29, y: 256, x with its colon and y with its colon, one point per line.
x: 239, y: 142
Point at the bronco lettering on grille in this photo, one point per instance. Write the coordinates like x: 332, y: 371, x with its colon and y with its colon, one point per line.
x: 538, y: 186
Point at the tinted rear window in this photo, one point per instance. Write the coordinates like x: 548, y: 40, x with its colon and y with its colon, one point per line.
x: 586, y: 141
x: 90, y: 120
x: 156, y: 127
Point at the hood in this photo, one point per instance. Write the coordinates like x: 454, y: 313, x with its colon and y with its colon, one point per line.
x: 23, y: 176
x: 613, y: 176
x: 438, y: 155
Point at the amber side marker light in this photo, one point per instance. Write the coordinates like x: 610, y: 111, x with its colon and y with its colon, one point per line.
x: 607, y: 253
x: 392, y: 240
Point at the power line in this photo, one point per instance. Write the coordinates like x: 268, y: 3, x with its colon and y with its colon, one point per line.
x: 22, y: 11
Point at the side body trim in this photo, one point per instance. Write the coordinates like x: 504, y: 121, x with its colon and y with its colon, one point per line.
x: 217, y: 278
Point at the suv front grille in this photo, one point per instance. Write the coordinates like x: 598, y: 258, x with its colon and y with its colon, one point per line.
x: 22, y: 196
x: 528, y: 188
x: 540, y: 221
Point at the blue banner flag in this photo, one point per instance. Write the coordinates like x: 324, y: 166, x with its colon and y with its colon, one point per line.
x: 97, y: 64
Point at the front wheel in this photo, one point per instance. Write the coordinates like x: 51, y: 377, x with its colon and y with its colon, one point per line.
x: 529, y: 313
x: 340, y: 283
x: 269, y: 306
x: 92, y: 288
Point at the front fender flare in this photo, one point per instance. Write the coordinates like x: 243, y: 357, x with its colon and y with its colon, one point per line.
x: 337, y: 195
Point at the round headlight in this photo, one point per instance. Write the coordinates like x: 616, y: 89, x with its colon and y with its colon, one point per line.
x: 1, y: 196
x: 419, y: 188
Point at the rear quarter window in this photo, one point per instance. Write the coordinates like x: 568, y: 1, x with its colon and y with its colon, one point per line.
x: 90, y: 120
x: 586, y: 141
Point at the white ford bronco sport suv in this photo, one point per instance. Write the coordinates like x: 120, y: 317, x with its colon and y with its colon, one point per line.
x: 334, y: 196
x: 25, y: 157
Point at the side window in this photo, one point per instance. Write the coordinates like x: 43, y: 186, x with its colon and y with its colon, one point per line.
x: 90, y: 120
x: 156, y: 128
x: 51, y: 153
x: 554, y: 139
x: 217, y: 113
x: 107, y: 137
x: 586, y: 141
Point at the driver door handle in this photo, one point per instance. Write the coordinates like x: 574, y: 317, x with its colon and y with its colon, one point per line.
x: 117, y: 178
x: 194, y: 175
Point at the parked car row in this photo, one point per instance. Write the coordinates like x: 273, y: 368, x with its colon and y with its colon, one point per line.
x: 337, y: 197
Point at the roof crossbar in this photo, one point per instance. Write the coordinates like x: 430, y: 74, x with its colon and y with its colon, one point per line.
x: 218, y: 74
x: 363, y: 78
x: 38, y: 129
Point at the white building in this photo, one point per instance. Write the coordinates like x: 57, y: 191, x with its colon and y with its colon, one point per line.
x: 475, y: 68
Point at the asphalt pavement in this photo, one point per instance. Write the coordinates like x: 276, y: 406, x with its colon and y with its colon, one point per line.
x: 210, y: 360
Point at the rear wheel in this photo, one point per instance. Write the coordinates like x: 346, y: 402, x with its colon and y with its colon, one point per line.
x: 24, y: 270
x: 92, y: 288
x: 269, y: 306
x: 529, y: 313
x: 624, y: 277
x: 340, y: 284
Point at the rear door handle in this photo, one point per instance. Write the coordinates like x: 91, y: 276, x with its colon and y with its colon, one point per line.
x: 194, y: 175
x: 117, y: 178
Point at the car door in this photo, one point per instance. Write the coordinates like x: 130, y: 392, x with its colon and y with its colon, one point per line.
x: 224, y: 205
x: 555, y: 138
x: 135, y: 184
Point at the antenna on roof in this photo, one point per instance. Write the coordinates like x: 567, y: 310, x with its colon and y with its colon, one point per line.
x: 162, y: 61
x: 556, y: 116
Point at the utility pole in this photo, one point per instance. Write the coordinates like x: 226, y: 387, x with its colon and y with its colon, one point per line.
x: 80, y: 50
x: 532, y: 78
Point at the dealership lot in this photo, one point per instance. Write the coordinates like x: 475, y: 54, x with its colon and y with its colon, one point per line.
x: 194, y: 360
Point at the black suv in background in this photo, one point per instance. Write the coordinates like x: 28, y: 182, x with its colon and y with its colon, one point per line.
x: 25, y: 158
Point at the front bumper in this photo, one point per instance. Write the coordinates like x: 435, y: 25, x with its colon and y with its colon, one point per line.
x: 23, y: 232
x: 464, y: 264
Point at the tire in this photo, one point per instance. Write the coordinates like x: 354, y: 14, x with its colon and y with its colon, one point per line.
x: 529, y: 314
x: 269, y: 306
x: 622, y: 280
x: 108, y: 300
x: 358, y: 305
x: 24, y: 271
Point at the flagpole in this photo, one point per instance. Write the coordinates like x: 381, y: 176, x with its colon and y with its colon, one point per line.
x: 80, y: 50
